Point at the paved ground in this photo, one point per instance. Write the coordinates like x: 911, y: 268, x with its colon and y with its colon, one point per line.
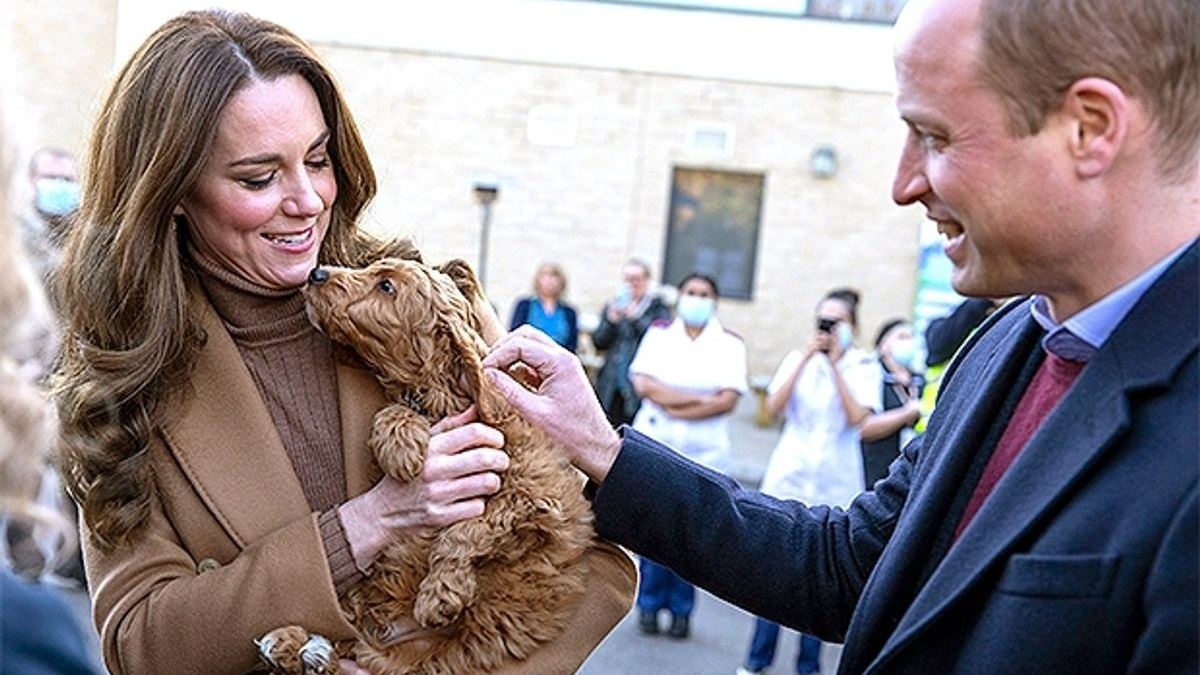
x: 720, y: 637
x: 720, y: 632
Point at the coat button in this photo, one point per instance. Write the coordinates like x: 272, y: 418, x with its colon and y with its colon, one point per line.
x: 207, y: 565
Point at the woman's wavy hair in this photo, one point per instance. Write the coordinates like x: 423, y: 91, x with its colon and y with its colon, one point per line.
x: 131, y: 335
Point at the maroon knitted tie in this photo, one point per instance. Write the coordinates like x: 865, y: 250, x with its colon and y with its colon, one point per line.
x: 1051, y: 381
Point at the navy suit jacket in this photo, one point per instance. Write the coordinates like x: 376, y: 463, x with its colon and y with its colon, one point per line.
x: 1083, y: 560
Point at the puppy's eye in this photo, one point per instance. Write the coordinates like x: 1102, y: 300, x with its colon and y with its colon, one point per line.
x: 386, y: 286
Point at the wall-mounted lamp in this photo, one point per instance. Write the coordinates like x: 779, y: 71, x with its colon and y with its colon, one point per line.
x: 486, y: 192
x: 823, y: 162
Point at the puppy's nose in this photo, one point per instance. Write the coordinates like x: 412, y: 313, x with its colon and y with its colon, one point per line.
x: 318, y: 276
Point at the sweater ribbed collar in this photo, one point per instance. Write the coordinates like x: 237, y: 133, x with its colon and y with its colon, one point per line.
x: 252, y: 313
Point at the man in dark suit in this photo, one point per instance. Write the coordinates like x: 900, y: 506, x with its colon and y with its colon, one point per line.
x: 1047, y: 521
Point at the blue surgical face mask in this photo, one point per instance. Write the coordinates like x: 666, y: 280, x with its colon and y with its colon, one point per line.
x: 624, y: 295
x: 903, y: 352
x: 695, y: 310
x: 56, y: 196
x: 845, y: 335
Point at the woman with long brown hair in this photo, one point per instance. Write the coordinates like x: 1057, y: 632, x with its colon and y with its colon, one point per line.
x: 213, y: 438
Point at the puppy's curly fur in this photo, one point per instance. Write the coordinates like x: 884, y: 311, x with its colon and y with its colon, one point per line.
x: 482, y: 590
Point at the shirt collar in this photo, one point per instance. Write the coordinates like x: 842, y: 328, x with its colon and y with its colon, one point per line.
x: 1079, y: 337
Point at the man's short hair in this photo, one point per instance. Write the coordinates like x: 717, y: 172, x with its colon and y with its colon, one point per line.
x: 1033, y: 50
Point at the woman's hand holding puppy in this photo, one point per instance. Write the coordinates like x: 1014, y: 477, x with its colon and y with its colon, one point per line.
x: 462, y: 467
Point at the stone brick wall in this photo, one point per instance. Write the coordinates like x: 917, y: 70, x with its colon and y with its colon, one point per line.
x: 590, y: 198
x: 60, y: 57
x: 436, y: 124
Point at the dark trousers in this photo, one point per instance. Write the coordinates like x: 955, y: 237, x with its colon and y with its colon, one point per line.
x: 762, y: 649
x: 660, y: 588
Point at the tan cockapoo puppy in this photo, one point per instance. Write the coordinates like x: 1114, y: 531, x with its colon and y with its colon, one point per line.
x: 482, y: 590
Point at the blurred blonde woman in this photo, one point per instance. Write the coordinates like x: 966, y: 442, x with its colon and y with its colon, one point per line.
x: 546, y: 310
x: 38, y: 633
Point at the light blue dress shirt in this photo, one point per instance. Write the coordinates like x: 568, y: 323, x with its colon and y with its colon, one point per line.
x: 1081, y: 336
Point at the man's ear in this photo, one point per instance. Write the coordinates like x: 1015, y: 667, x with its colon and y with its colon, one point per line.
x: 1098, y: 113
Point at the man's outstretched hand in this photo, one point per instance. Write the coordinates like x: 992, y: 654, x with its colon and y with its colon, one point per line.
x: 561, y: 404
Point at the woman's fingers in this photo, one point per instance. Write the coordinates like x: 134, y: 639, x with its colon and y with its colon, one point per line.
x: 462, y: 467
x: 455, y: 421
x: 463, y: 451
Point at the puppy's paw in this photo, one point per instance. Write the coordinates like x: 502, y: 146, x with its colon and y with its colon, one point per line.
x: 442, y: 598
x: 398, y: 439
x: 294, y: 651
x: 434, y: 612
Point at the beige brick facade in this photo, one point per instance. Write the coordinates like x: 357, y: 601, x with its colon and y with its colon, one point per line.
x: 436, y: 123
x: 61, y: 58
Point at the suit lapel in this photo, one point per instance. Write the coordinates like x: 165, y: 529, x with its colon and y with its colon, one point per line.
x: 967, y: 423
x: 227, y: 446
x: 1147, y: 348
x: 961, y: 421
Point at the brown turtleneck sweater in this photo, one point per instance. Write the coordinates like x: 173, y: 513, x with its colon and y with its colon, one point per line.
x: 292, y: 365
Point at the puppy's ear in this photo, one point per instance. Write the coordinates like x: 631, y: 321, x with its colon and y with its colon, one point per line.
x: 484, y: 319
x: 455, y: 319
x: 460, y: 272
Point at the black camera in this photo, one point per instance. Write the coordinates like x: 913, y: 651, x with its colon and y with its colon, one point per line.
x: 826, y: 325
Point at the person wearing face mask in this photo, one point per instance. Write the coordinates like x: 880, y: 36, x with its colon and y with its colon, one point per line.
x: 54, y: 179
x: 691, y: 373
x: 898, y: 402
x: 823, y: 391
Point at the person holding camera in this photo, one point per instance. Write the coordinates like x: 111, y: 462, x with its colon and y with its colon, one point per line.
x: 819, y: 389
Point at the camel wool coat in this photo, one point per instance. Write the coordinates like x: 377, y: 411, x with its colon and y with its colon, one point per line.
x: 231, y: 549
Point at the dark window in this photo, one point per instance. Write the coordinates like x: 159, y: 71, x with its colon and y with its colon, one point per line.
x: 712, y: 228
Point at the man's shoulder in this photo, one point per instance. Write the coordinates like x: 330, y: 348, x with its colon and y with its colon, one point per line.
x: 1004, y: 325
x: 1000, y: 324
x: 658, y: 307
